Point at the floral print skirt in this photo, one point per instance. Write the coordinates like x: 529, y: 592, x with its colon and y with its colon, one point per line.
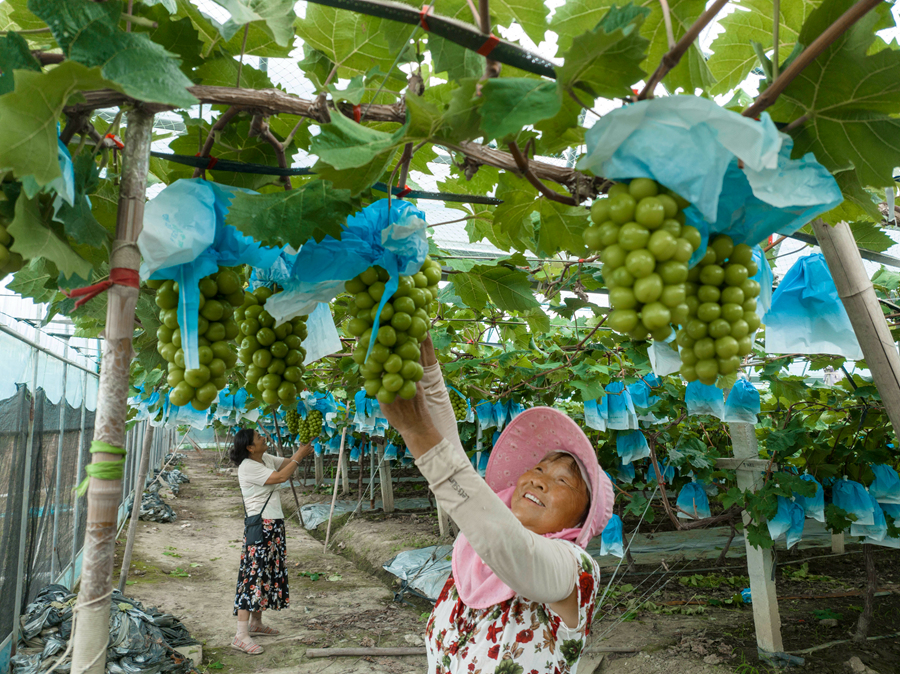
x: 262, y: 578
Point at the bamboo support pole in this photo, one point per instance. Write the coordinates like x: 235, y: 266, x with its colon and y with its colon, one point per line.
x: 90, y: 635
x: 856, y: 292
x: 55, y: 560
x: 334, y: 492
x: 143, y: 469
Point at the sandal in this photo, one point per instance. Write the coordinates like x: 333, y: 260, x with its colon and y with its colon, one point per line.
x: 243, y: 647
x: 264, y: 630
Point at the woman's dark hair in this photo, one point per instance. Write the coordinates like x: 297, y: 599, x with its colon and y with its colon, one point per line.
x: 242, y: 440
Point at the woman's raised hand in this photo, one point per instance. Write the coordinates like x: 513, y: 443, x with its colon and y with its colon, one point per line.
x: 427, y: 355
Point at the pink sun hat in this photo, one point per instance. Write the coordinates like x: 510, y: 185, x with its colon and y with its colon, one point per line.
x: 534, y: 434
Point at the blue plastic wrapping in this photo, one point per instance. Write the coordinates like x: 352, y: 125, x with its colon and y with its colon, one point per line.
x: 813, y: 506
x: 704, y: 399
x: 692, y: 146
x: 611, y: 540
x: 664, y: 358
x: 765, y: 279
x: 484, y: 412
x: 355, y: 453
x: 483, y: 463
x: 185, y: 238
x: 668, y: 473
x: 592, y: 417
x: 625, y: 472
x: 886, y: 486
x: 390, y: 452
x: 692, y: 499
x: 742, y: 404
x: 642, y: 397
x: 875, y: 531
x: 807, y: 316
x: 500, y: 411
x: 395, y: 241
x: 891, y: 512
x: 617, y: 408
x: 515, y: 409
x: 788, y: 522
x: 853, y: 497
x: 631, y: 446
x: 317, y: 448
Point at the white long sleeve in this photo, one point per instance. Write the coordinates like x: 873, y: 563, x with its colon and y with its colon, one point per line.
x: 535, y: 567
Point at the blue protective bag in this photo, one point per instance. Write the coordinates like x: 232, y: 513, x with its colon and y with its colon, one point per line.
x: 704, y: 399
x: 765, y: 279
x: 692, y: 146
x: 625, y: 472
x: 886, y: 486
x: 592, y: 417
x: 642, y: 397
x: 788, y: 522
x: 390, y: 452
x: 515, y: 409
x: 611, y: 542
x: 317, y: 448
x: 891, y: 512
x: 813, y: 506
x: 617, y: 408
x: 395, y: 241
x: 484, y: 412
x: 742, y: 404
x: 875, y: 531
x: 668, y: 473
x: 500, y: 412
x: 483, y: 463
x: 631, y: 446
x: 355, y: 453
x: 853, y: 497
x: 693, y: 500
x: 185, y: 238
x: 807, y: 316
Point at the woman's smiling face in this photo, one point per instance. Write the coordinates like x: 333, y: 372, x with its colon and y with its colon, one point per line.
x: 552, y: 496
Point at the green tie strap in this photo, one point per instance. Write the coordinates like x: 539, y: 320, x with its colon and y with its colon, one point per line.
x: 102, y: 470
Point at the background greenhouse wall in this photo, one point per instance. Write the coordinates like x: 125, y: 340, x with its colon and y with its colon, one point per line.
x: 48, y: 398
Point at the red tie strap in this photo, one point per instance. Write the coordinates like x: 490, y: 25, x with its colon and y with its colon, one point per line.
x: 212, y: 162
x: 488, y: 46
x: 426, y: 10
x: 119, y: 276
x: 116, y: 140
x: 357, y: 113
x: 402, y: 193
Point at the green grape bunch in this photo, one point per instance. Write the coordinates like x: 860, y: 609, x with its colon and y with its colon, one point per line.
x: 273, y: 355
x: 645, y: 246
x: 292, y: 420
x: 393, y: 367
x: 310, y: 428
x: 460, y: 407
x: 721, y: 299
x: 220, y: 293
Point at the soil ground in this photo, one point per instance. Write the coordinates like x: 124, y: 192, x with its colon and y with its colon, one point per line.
x: 688, y: 620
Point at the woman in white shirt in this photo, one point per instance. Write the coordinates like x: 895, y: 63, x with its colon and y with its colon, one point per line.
x: 262, y: 578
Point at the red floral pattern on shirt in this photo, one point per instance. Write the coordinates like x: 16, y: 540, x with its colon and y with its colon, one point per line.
x: 517, y: 636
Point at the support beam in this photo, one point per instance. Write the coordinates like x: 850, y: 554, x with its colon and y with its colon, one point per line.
x: 143, y: 469
x: 759, y: 561
x: 55, y: 560
x: 345, y: 473
x: 319, y: 463
x: 856, y: 292
x: 387, y: 485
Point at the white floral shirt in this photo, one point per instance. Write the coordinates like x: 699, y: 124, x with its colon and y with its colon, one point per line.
x: 517, y: 636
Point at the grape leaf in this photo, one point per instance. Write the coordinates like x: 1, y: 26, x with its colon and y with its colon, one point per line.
x: 353, y: 92
x: 511, y: 103
x: 358, y: 179
x: 15, y: 54
x: 77, y: 219
x: 733, y: 56
x: 851, y: 98
x: 88, y: 33
x: 870, y: 236
x: 313, y: 210
x: 316, y: 66
x: 538, y: 321
x: 561, y: 228
x: 563, y: 130
x: 344, y: 144
x: 354, y: 42
x: 692, y: 72
x: 512, y: 218
x: 469, y: 288
x: 28, y: 140
x: 178, y: 36
x: 36, y: 281
x: 509, y: 289
x: 34, y: 239
x: 604, y: 61
x: 223, y: 71
x: 277, y: 14
x: 458, y: 62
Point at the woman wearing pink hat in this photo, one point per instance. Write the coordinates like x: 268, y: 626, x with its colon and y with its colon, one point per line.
x: 520, y: 599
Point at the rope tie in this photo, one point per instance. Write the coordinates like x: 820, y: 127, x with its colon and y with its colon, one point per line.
x: 488, y: 46
x: 212, y: 162
x: 425, y: 11
x: 402, y: 193
x: 357, y: 113
x: 119, y: 276
x: 102, y: 470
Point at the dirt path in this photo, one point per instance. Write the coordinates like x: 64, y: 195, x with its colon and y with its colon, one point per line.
x: 189, y: 568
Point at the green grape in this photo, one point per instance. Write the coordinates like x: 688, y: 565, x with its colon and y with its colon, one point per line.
x: 392, y: 367
x: 460, y: 408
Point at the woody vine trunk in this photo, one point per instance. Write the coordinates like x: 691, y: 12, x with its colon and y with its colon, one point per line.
x: 91, y: 629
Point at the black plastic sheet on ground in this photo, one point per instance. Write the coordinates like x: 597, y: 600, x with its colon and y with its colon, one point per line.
x: 141, y: 641
x: 173, y: 479
x: 153, y: 508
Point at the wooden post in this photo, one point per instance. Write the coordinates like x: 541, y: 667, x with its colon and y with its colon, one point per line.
x: 91, y: 630
x: 345, y: 473
x: 759, y: 561
x: 334, y: 491
x: 372, y: 452
x: 387, y: 487
x: 443, y: 520
x: 837, y: 543
x: 319, y: 463
x: 143, y: 469
x: 856, y: 292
